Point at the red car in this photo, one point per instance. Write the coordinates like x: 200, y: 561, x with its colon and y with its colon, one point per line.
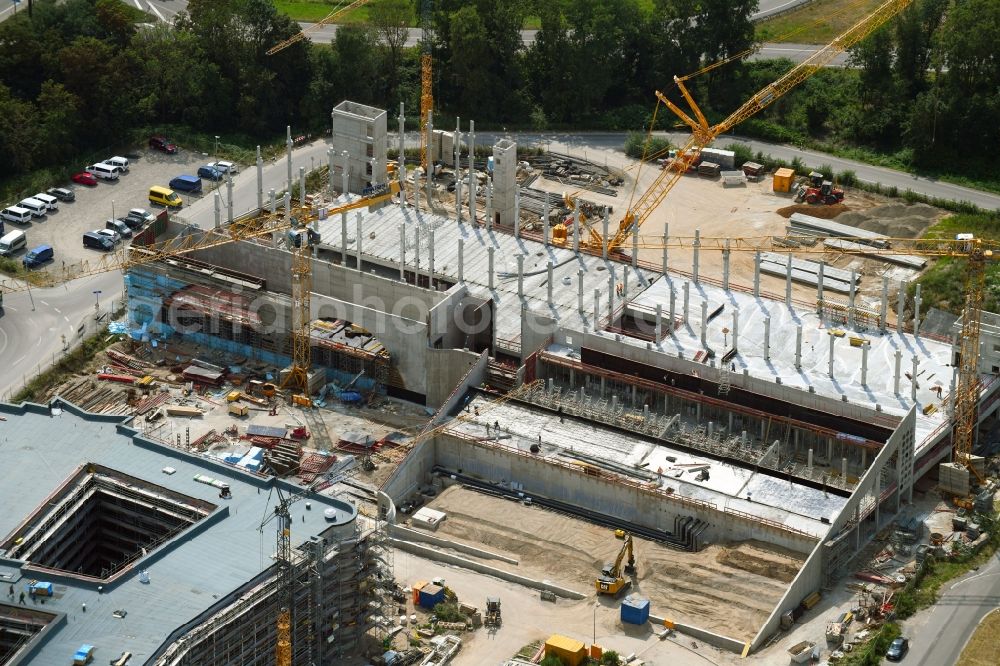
x: 84, y: 178
x: 163, y: 144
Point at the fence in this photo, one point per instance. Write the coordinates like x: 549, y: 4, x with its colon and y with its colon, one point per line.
x: 88, y: 326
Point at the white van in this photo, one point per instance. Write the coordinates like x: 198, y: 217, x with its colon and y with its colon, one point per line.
x: 118, y: 161
x: 50, y: 201
x: 16, y: 214
x: 37, y: 208
x: 103, y: 171
x: 12, y: 242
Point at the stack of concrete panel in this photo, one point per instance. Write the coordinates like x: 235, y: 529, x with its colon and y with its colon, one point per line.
x: 435, y: 150
x: 799, y: 224
x: 907, y: 260
x: 726, y: 159
x: 447, y: 148
x: 733, y: 178
x: 807, y: 272
x: 953, y: 479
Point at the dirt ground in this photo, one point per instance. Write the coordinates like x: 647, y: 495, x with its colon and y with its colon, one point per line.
x: 728, y: 588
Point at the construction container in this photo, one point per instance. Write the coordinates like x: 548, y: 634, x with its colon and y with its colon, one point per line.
x: 236, y: 409
x: 431, y: 595
x: 570, y: 652
x: 419, y: 585
x: 635, y: 610
x: 783, y: 179
x: 41, y: 589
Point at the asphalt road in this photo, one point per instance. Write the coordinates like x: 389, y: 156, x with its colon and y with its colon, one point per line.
x: 938, y: 634
x: 29, y: 336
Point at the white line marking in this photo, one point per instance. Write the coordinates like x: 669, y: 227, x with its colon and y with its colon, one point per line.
x: 11, y: 309
x: 138, y: 5
x: 43, y: 302
x: 18, y: 360
x: 156, y: 11
x: 58, y: 311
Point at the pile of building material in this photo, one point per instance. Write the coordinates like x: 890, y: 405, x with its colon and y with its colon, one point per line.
x: 733, y: 178
x: 906, y: 260
x: 808, y: 225
x: 725, y: 159
x: 708, y: 169
x: 284, y: 456
x: 97, y: 398
x: 577, y: 172
x: 807, y: 272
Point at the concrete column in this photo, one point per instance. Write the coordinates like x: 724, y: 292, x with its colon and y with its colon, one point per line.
x: 659, y: 322
x: 274, y: 202
x: 809, y: 459
x: 416, y: 254
x: 217, y: 200
x: 288, y: 153
x: 458, y: 198
x: 520, y: 276
x: 343, y: 239
x: 288, y: 206
x: 885, y: 305
x: 472, y: 170
x: 864, y: 364
x: 843, y: 468
x: 458, y: 145
x: 798, y: 346
x: 491, y: 250
x: 895, y: 380
x: 852, y: 300
x: 345, y: 172
x: 704, y: 322
x: 819, y: 289
x: 579, y: 283
x: 229, y: 197
x: 687, y: 300
x: 517, y: 212
x: 357, y: 241
x: 401, y: 167
x: 402, y: 252
x: 576, y: 226
x: 916, y: 311
x: 430, y: 259
x: 604, y: 237
x: 951, y: 392
x: 635, y: 246
x: 429, y: 176
x: 461, y: 260
x: 329, y: 170
x: 489, y: 204
x: 725, y: 266
x: 697, y: 248
x: 913, y: 382
x: 548, y: 282
x: 625, y: 282
x: 767, y: 338
x: 597, y: 309
x: 756, y: 273
x: 260, y: 181
x: 545, y: 218
x: 666, y: 237
x: 736, y: 328
x: 900, y: 304
x: 788, y: 280
x: 611, y: 292
x: 833, y: 340
x: 673, y: 302
x: 302, y: 186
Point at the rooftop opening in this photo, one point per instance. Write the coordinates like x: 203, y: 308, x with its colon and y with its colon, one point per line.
x: 99, y: 521
x: 18, y: 627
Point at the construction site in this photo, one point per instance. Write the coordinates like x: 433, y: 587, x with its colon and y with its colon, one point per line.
x: 537, y: 369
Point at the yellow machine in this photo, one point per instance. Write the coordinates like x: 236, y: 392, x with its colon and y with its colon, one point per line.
x: 611, y: 580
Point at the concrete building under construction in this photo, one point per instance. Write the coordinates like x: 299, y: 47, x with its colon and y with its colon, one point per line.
x: 653, y: 395
x: 126, y: 545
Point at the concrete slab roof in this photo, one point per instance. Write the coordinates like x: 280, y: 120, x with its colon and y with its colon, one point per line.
x: 187, y: 575
x: 787, y: 502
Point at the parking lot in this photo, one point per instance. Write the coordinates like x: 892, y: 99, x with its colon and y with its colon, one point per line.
x: 63, y: 229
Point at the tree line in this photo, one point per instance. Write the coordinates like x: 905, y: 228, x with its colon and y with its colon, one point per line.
x: 82, y: 74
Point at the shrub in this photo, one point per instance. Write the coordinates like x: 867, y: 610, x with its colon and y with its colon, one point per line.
x: 847, y: 178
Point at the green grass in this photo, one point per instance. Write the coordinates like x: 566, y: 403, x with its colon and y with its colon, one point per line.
x: 308, y: 11
x: 981, y: 650
x: 943, y: 284
x: 815, y: 23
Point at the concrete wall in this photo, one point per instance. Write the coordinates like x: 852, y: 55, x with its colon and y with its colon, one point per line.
x: 406, y: 339
x: 445, y: 370
x: 504, y: 181
x: 603, y: 495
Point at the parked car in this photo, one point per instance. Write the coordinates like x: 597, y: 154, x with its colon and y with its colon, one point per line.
x: 110, y: 234
x: 165, y: 197
x: 118, y: 227
x: 97, y: 241
x: 133, y: 223
x: 162, y: 144
x: 186, y: 183
x: 225, y: 167
x: 210, y: 172
x: 143, y: 214
x: 84, y: 178
x: 38, y: 256
x: 50, y: 201
x: 118, y: 161
x: 103, y: 171
x: 62, y: 194
x: 898, y: 649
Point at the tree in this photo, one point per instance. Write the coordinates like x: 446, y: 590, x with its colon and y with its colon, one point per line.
x: 610, y: 658
x: 58, y: 120
x: 19, y: 134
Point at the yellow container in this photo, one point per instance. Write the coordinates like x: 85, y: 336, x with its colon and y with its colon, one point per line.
x: 570, y: 652
x: 783, y: 179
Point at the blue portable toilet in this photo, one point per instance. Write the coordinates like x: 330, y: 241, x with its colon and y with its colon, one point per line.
x: 635, y: 610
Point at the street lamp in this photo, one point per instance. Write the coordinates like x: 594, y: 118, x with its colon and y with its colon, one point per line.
x: 97, y: 300
x: 216, y: 151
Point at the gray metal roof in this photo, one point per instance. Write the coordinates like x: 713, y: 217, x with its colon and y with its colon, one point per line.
x: 41, y: 448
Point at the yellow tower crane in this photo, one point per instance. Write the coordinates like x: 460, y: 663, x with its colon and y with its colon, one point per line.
x: 703, y: 134
x: 426, y: 84
x: 326, y: 20
x: 977, y: 255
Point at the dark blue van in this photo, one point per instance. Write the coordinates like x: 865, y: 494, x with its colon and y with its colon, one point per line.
x: 186, y: 184
x: 38, y: 256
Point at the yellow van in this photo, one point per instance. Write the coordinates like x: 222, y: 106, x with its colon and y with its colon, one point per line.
x: 164, y: 197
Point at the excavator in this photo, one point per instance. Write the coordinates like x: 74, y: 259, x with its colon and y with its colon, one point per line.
x: 612, y: 581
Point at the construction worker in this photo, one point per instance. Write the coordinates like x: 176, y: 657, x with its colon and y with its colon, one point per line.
x: 21, y: 600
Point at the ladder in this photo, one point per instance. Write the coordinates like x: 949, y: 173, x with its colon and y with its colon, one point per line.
x: 723, y: 379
